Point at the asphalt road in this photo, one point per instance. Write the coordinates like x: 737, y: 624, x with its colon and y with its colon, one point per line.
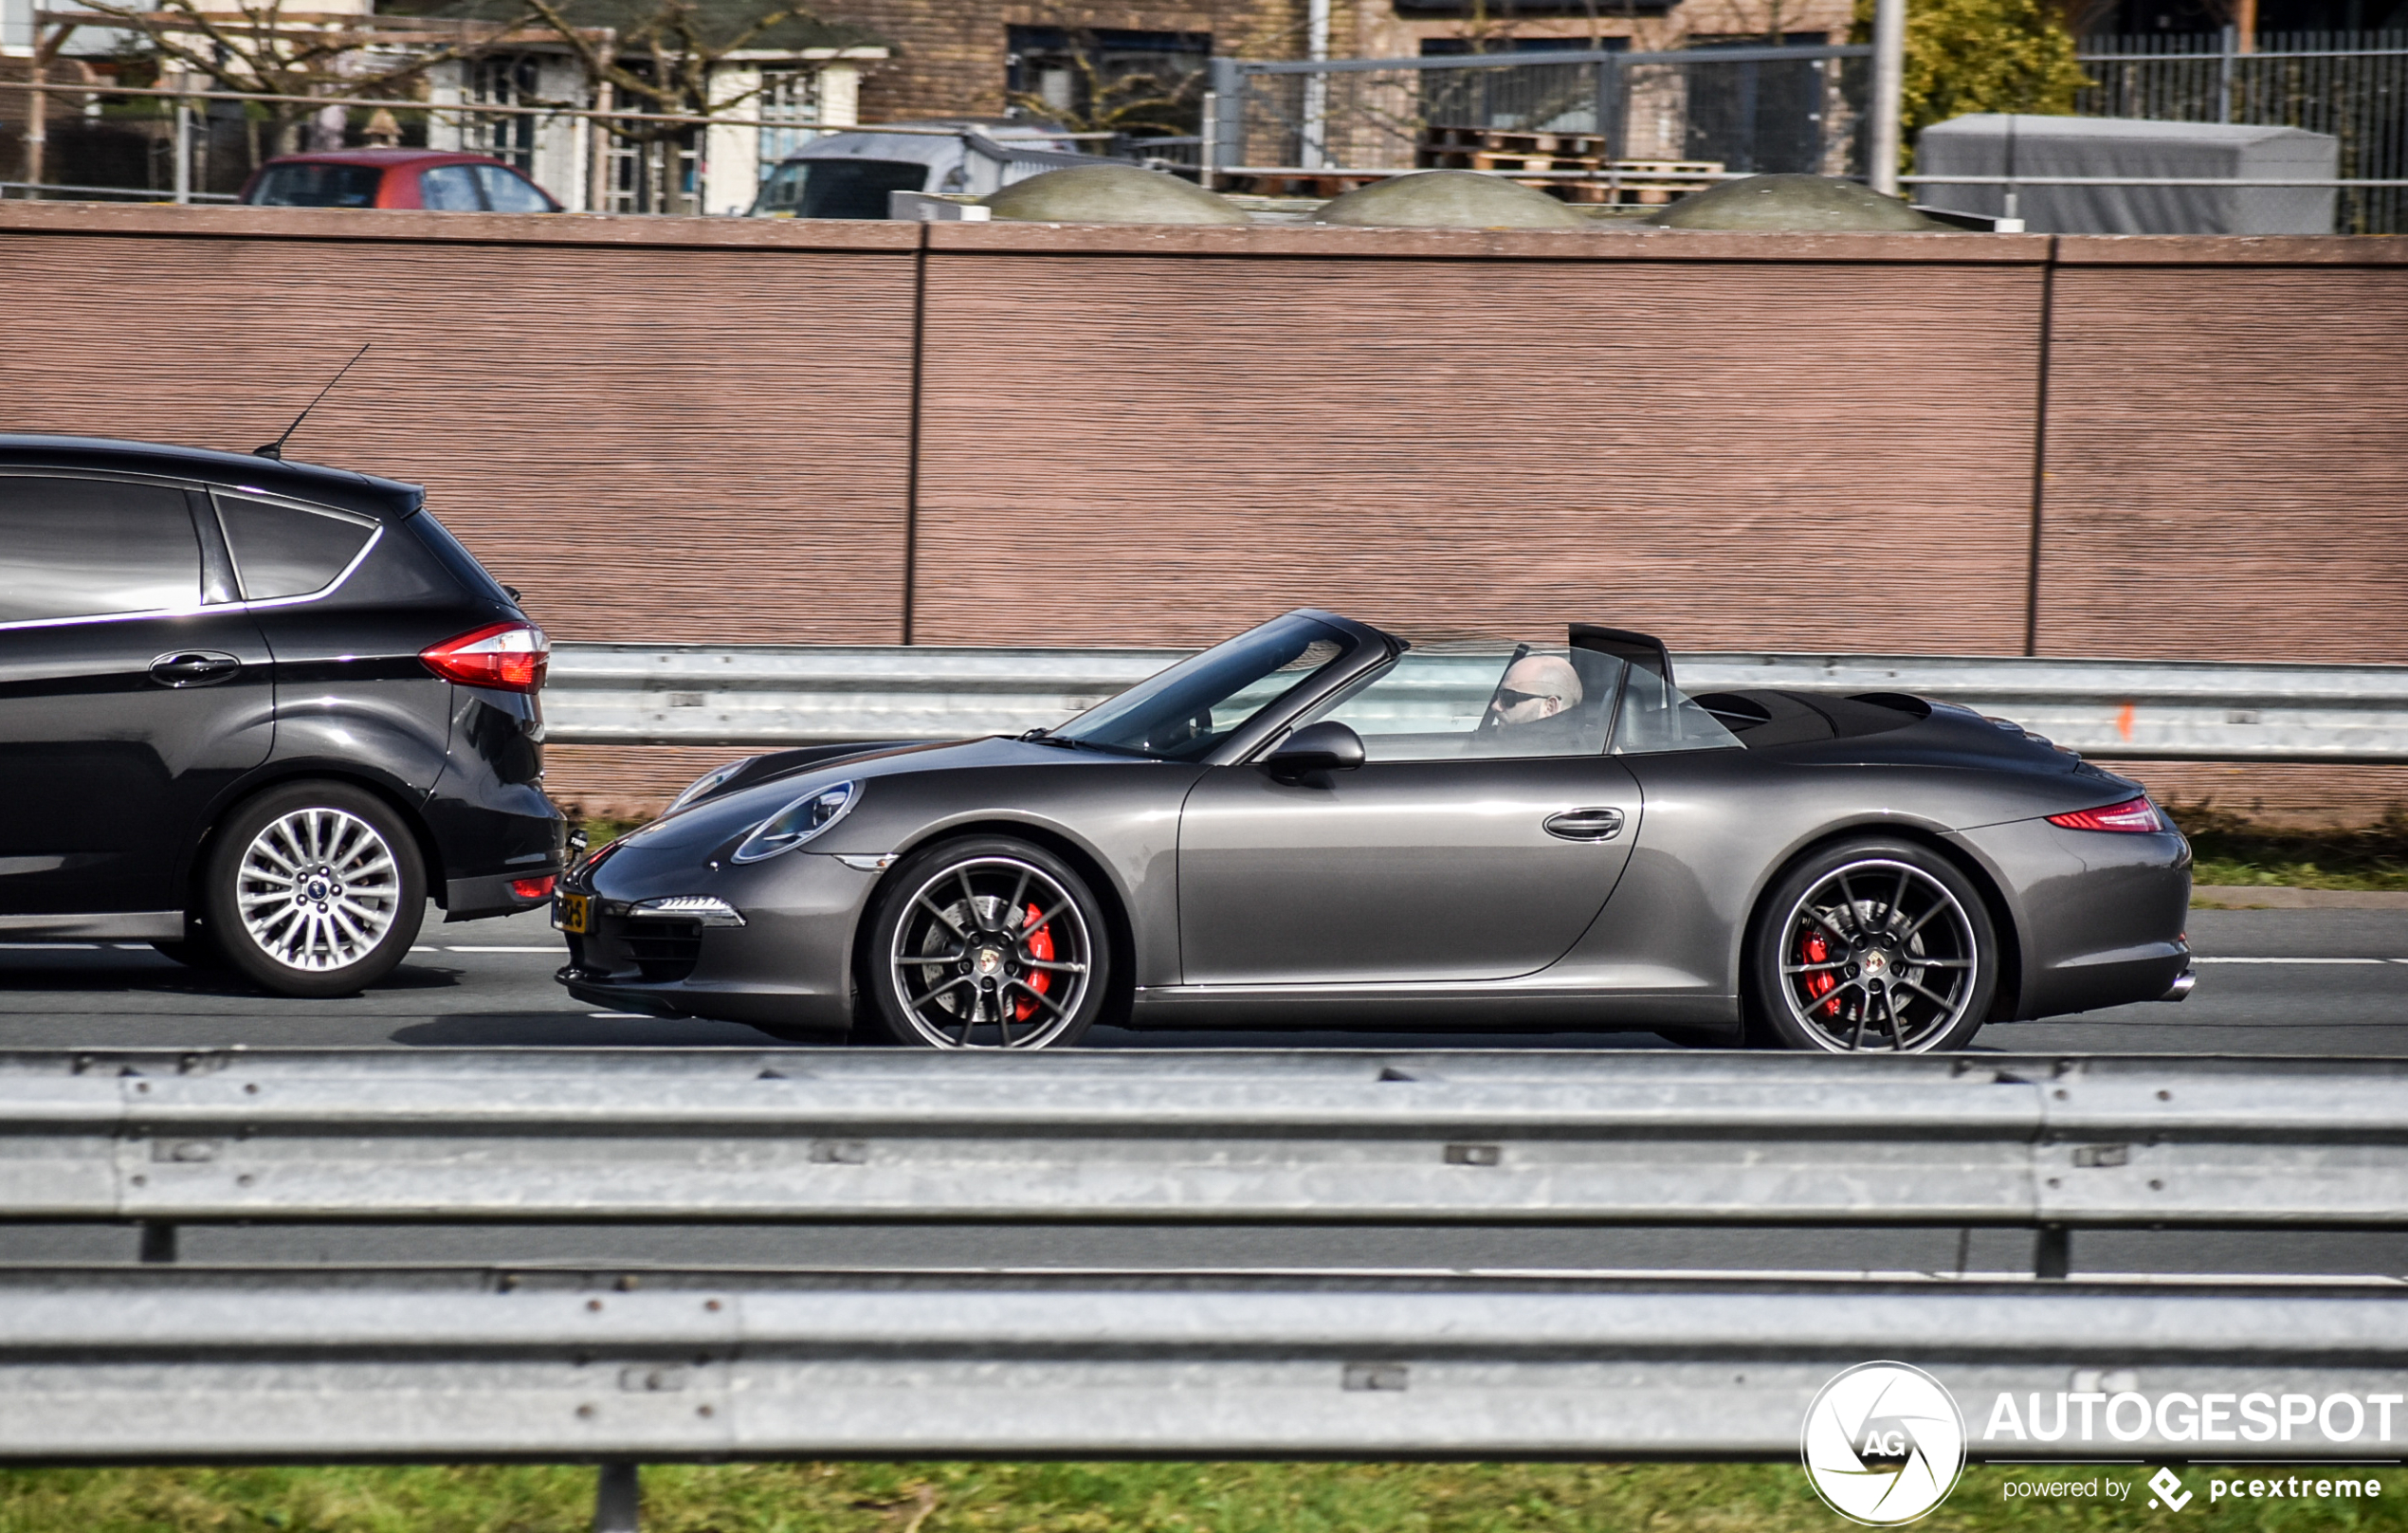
x: 2272, y: 982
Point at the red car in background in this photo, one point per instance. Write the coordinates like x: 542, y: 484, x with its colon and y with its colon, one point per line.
x: 443, y: 180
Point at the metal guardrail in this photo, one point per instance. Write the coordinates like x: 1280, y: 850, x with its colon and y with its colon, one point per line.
x: 773, y: 695
x: 1319, y: 1138
x: 170, y: 1364
x: 154, y: 1367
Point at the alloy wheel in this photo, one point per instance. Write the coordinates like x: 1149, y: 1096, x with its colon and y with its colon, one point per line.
x: 318, y: 889
x: 992, y: 952
x: 1878, y: 955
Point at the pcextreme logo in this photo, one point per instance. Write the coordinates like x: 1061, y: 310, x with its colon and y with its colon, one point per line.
x: 1884, y: 1442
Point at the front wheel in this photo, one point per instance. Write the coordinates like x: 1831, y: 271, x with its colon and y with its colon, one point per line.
x: 1873, y: 946
x: 315, y: 889
x: 988, y: 943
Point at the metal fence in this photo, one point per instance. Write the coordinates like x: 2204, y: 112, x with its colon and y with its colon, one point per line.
x: 253, y: 1365
x: 169, y: 144
x: 523, y: 1362
x: 2353, y: 86
x: 667, y: 694
x: 1601, y: 125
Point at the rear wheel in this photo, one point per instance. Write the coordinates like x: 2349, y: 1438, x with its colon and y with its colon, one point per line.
x: 988, y: 943
x: 1873, y: 946
x: 315, y: 889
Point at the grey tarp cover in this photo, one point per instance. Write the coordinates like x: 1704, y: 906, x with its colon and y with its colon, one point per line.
x: 1980, y: 144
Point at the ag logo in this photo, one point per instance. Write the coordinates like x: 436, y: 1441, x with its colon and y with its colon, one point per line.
x: 1884, y: 1444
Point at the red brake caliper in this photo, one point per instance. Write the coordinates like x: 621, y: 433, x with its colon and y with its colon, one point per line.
x: 1814, y: 950
x: 1040, y: 946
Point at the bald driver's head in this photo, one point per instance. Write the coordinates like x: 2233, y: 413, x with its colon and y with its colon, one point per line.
x: 1536, y: 687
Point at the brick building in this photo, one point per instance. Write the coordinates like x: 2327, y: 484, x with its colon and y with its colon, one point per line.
x: 972, y: 56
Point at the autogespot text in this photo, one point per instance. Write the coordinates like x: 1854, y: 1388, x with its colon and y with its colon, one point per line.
x: 2129, y: 1417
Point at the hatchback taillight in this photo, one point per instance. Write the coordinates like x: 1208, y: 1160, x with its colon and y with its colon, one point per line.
x: 508, y: 656
x: 2133, y: 814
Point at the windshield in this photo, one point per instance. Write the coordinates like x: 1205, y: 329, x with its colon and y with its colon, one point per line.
x: 1185, y: 711
x: 837, y: 188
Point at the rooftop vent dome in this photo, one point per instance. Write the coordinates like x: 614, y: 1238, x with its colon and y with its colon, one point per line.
x: 1796, y: 204
x: 1111, y: 195
x: 1449, y: 199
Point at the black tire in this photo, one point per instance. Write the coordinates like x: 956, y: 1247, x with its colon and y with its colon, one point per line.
x: 1871, y: 946
x: 335, y: 938
x: 975, y: 943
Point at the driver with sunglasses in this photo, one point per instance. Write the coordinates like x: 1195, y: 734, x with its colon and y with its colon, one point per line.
x: 1536, y: 688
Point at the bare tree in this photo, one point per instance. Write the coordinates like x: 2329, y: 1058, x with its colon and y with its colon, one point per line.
x: 658, y: 57
x: 1137, y: 102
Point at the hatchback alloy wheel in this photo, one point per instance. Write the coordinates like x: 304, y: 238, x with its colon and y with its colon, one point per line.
x: 315, y: 889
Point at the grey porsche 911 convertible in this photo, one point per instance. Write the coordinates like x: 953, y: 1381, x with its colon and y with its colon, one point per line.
x: 1317, y: 824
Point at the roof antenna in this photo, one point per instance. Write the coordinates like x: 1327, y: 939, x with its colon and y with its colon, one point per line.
x: 275, y: 450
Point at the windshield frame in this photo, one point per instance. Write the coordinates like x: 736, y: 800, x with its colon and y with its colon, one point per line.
x: 1365, y: 647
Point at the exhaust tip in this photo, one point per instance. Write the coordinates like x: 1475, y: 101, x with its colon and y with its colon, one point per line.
x: 2181, y: 986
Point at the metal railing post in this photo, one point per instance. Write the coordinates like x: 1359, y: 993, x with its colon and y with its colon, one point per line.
x: 1224, y: 139
x: 2225, y: 46
x: 1312, y: 145
x: 183, y: 150
x: 1206, y: 142
x: 1889, y: 85
x: 1610, y: 109
x: 617, y: 1498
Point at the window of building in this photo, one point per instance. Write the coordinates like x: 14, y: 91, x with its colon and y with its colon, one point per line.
x: 787, y: 96
x: 1148, y: 84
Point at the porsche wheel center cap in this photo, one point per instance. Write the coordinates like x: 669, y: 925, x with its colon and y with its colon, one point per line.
x: 988, y: 963
x: 1877, y: 963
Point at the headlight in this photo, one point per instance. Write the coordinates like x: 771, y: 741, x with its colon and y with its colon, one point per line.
x: 705, y: 783
x: 799, y: 822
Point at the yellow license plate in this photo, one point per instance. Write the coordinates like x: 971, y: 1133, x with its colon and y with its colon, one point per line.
x: 571, y: 913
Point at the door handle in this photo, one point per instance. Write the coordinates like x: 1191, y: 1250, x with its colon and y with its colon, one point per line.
x: 1585, y: 824
x: 193, y: 667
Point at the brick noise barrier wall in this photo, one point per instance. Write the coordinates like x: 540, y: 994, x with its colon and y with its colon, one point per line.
x: 721, y: 429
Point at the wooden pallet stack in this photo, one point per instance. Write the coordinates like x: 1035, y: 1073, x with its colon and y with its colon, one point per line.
x: 1630, y: 181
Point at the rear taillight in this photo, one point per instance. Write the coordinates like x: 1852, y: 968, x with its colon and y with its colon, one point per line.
x: 2133, y: 814
x: 508, y: 656
x: 534, y: 888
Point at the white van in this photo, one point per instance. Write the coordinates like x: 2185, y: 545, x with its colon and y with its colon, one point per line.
x: 849, y: 175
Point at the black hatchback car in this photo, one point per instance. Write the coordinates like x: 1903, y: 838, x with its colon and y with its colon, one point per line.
x: 256, y: 712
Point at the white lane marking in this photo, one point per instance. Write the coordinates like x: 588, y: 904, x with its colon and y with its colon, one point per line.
x: 612, y: 1017
x: 464, y: 949
x: 2299, y: 960
x: 51, y: 947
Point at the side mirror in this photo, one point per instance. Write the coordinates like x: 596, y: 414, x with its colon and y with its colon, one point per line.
x: 1327, y: 746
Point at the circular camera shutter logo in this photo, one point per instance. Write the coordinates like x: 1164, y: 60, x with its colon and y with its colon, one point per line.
x: 1884, y: 1444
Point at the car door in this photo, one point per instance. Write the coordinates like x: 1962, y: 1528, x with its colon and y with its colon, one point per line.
x: 134, y: 690
x: 1460, y: 851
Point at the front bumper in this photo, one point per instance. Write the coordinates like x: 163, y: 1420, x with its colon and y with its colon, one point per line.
x: 789, y: 966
